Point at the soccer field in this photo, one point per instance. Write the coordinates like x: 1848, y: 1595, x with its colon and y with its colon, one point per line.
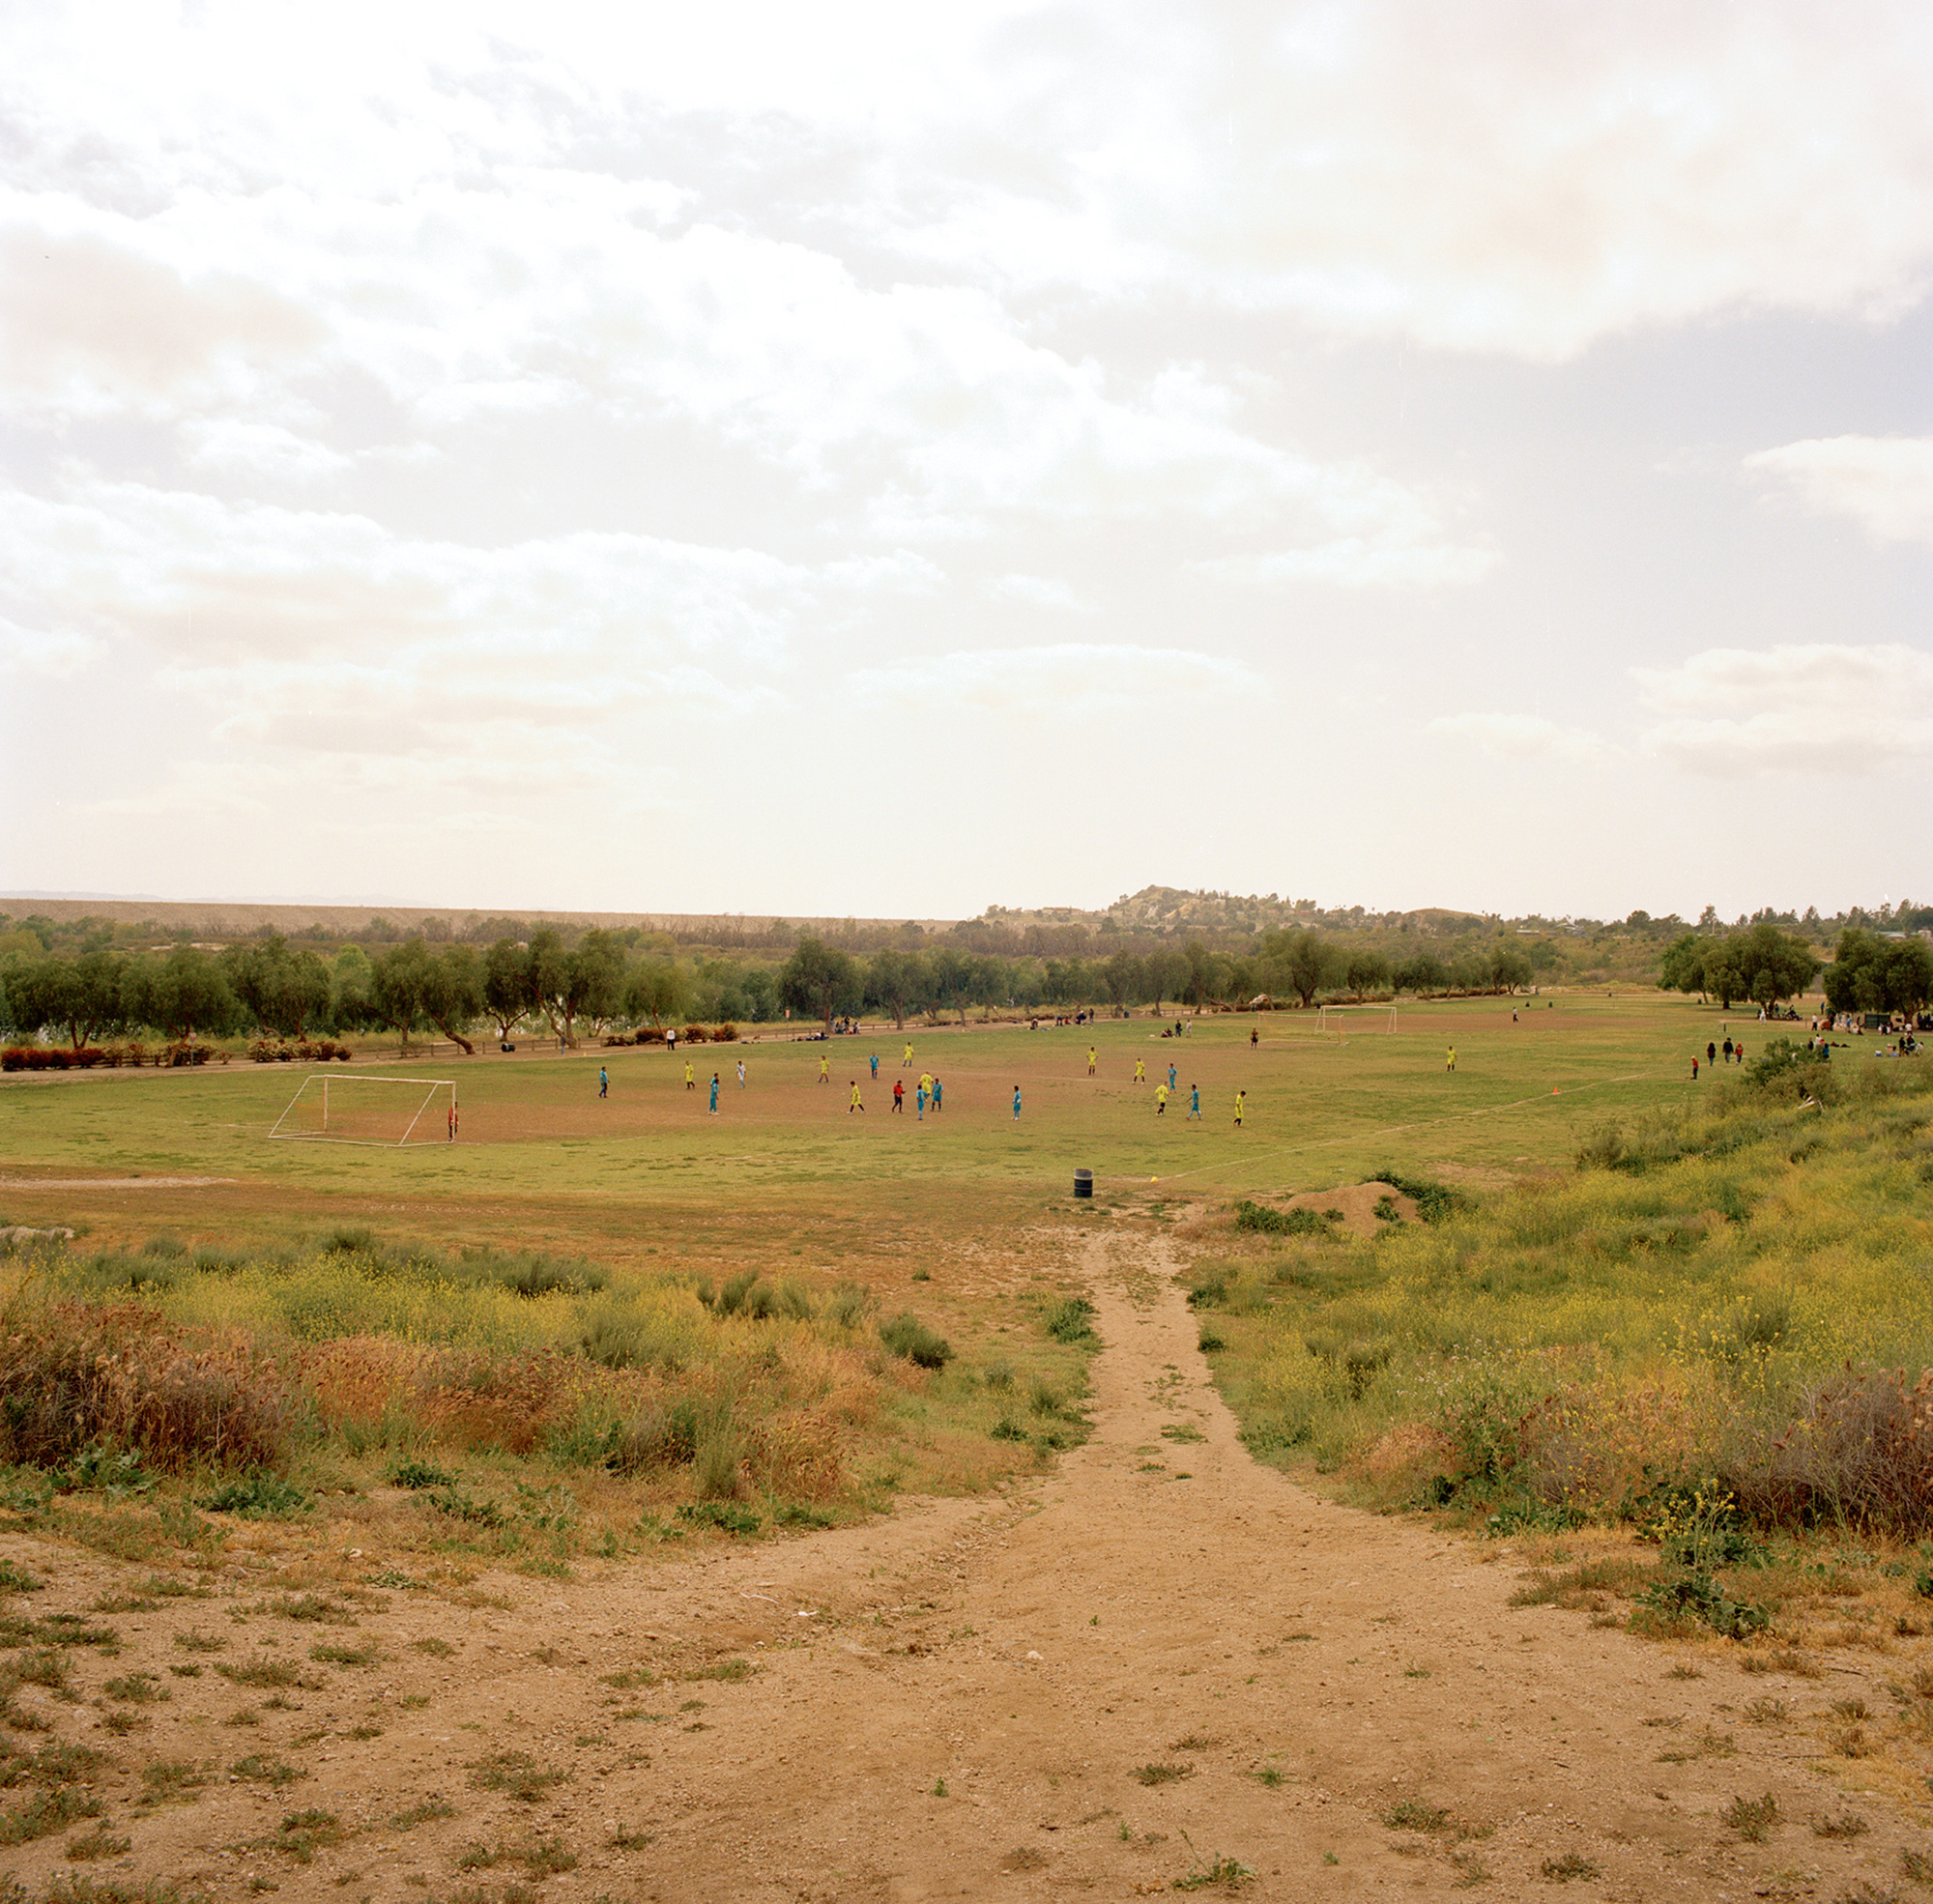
x: 1321, y: 1109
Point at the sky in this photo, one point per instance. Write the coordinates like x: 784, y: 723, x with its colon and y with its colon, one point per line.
x: 882, y: 460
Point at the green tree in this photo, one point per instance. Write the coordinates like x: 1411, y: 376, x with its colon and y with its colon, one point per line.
x: 547, y: 969
x: 1682, y: 968
x: 1069, y: 981
x: 952, y: 971
x: 1869, y: 974
x: 1774, y: 965
x: 594, y: 979
x: 184, y: 995
x: 350, y: 983
x: 412, y: 986
x: 508, y: 993
x: 450, y: 995
x: 79, y: 997
x: 281, y: 989
x: 892, y: 983
x: 1510, y: 967
x: 395, y: 987
x: 1299, y: 962
x: 761, y: 994
x: 1124, y: 978
x: 1367, y: 972
x: 1421, y: 973
x: 820, y: 981
x: 655, y: 989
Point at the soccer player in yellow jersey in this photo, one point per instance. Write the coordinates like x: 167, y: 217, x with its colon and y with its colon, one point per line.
x: 905, y: 1063
x: 1140, y: 1071
x: 691, y: 1076
x: 1241, y: 1104
x: 1090, y: 1060
x: 855, y: 1105
x: 1160, y: 1100
x: 926, y: 1082
x: 824, y: 1077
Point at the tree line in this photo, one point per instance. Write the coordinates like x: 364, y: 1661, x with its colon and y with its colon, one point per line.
x: 825, y: 982
x: 287, y: 990
x: 290, y: 991
x: 1760, y: 964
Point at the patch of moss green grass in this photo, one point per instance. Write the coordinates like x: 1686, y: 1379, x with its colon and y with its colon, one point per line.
x: 1632, y: 1338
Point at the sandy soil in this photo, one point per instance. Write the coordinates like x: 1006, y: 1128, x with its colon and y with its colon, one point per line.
x: 960, y: 1702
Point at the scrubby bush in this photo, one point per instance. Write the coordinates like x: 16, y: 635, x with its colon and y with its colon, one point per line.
x: 1071, y: 1321
x: 1434, y: 1201
x: 1860, y: 1455
x: 663, y: 1436
x: 1255, y: 1216
x: 907, y: 1336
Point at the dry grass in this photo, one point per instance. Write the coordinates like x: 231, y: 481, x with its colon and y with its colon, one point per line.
x: 76, y: 1375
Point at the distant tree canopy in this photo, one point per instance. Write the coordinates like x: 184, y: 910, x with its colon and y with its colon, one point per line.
x: 80, y: 997
x: 412, y: 987
x: 60, y: 981
x: 1760, y: 963
x: 283, y: 990
x: 820, y: 982
x: 1869, y: 974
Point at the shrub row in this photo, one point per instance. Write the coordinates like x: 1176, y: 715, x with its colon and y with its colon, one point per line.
x: 304, y: 1050
x: 692, y: 1034
x: 57, y: 1058
x: 52, y: 1057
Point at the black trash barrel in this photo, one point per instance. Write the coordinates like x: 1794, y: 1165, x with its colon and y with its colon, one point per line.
x: 1083, y: 1183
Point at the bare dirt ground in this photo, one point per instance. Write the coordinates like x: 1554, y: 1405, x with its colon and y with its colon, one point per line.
x: 1100, y: 1684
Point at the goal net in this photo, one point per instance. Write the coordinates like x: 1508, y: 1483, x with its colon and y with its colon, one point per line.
x: 377, y: 1110
x: 1357, y: 1018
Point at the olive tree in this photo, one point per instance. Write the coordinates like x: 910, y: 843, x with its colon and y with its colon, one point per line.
x: 820, y: 981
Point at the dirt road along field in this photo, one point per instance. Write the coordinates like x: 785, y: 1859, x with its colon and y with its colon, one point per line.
x: 1160, y: 1663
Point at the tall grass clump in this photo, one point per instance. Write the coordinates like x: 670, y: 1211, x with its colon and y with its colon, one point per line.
x: 74, y: 1376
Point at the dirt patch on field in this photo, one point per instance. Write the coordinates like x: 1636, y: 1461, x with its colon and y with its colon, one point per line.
x: 112, y: 1183
x: 1162, y: 1666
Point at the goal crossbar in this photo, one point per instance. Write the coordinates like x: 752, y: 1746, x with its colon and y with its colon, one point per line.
x: 429, y: 1086
x: 1357, y: 1018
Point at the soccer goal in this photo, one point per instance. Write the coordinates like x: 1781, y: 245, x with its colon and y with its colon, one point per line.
x: 1346, y: 1019
x: 375, y: 1110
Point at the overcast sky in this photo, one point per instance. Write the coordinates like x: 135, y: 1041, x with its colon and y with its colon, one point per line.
x: 888, y: 460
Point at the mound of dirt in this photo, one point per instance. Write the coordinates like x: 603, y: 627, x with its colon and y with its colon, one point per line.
x: 1357, y: 1203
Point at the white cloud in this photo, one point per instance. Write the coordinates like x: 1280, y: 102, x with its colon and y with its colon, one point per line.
x: 1357, y: 561
x: 1823, y: 707
x: 1519, y: 736
x: 1046, y: 591
x: 229, y: 446
x: 55, y: 654
x: 1061, y: 681
x: 1884, y: 484
x: 91, y: 326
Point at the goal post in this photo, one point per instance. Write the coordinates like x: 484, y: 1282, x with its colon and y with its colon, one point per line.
x: 390, y: 1112
x: 1346, y: 1019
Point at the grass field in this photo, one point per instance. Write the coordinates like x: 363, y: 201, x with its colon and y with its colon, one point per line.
x: 633, y: 1286
x: 1318, y: 1105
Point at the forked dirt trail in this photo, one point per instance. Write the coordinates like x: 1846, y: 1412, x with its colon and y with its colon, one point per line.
x: 1165, y: 1602
x: 965, y: 1701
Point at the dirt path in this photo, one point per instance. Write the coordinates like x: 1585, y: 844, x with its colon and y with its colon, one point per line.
x: 1160, y: 1601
